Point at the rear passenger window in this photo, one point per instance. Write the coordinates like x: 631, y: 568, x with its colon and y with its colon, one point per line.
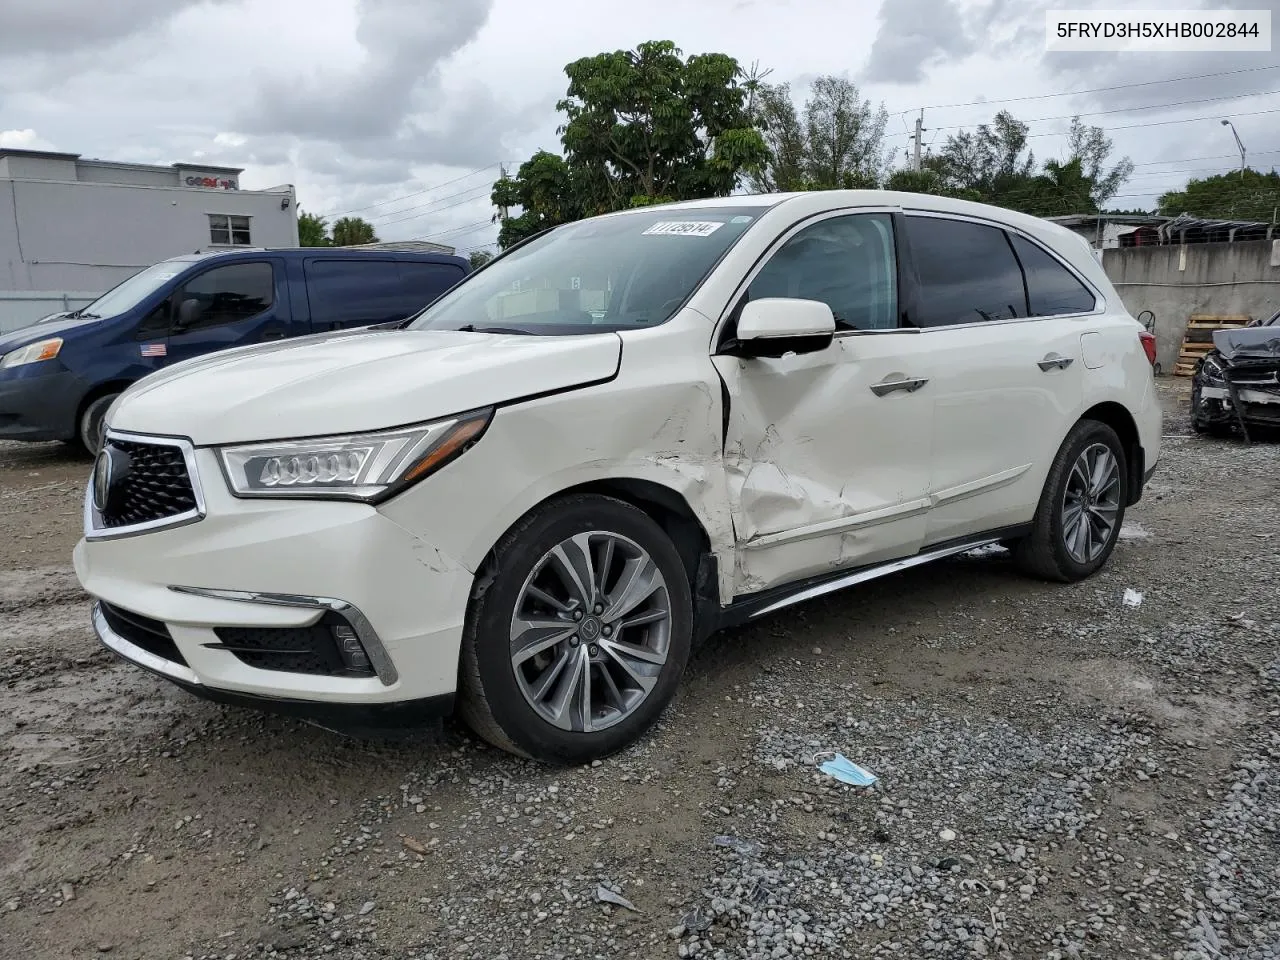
x: 967, y: 272
x: 847, y: 263
x: 1052, y: 289
x: 354, y: 293
x: 423, y: 282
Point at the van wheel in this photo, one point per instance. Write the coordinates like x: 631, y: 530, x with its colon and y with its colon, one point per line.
x: 576, y: 644
x: 91, y: 428
x: 1081, y: 508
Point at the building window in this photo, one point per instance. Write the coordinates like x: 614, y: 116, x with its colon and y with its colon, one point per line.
x: 228, y: 231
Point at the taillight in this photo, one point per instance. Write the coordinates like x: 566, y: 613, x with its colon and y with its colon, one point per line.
x: 1149, y: 345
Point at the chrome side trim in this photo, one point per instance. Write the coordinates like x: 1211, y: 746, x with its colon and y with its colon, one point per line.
x: 368, y: 637
x: 872, y: 573
x: 93, y: 528
x: 868, y: 518
x: 135, y: 654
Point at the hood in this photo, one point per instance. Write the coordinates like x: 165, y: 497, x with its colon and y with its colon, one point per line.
x: 354, y: 382
x: 1259, y: 342
x: 42, y: 330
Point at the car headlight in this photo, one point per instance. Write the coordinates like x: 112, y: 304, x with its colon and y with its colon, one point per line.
x: 32, y: 353
x: 363, y: 466
x: 1211, y: 371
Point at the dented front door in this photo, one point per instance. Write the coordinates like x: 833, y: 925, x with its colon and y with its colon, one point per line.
x: 827, y: 453
x: 825, y: 469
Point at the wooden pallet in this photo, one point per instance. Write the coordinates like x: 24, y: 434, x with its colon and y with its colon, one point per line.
x: 1199, y: 338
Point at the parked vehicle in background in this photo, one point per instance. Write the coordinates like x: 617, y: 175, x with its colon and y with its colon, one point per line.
x: 59, y: 376
x: 1237, y: 383
x: 615, y: 438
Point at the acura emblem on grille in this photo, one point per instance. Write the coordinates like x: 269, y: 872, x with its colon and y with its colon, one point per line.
x: 110, y: 470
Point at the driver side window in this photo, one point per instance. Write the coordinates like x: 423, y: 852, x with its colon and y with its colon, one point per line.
x: 847, y: 262
x: 229, y: 294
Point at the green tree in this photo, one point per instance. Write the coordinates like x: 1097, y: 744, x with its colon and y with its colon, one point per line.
x: 993, y: 165
x: 352, y: 232
x: 1227, y: 196
x: 313, y: 230
x: 837, y: 142
x: 641, y: 126
x: 479, y: 258
x: 1092, y: 147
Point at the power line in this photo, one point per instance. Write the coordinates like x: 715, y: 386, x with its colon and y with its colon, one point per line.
x: 1165, y: 123
x: 422, y: 210
x: 1100, y: 113
x: 1075, y: 93
x: 1221, y: 156
x: 466, y: 228
x: 448, y: 206
x: 408, y: 196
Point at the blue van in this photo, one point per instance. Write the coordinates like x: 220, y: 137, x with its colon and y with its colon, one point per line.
x: 59, y: 376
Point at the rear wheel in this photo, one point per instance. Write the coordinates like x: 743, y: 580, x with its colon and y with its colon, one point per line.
x: 1078, y: 520
x: 92, y: 426
x: 577, y: 645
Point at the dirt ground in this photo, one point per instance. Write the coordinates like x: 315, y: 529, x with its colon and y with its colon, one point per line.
x: 1061, y: 774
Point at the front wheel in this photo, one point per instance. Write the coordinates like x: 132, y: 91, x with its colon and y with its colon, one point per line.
x: 1081, y: 508
x: 92, y: 427
x: 576, y: 646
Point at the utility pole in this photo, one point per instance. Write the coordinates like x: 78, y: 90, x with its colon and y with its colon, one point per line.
x: 502, y: 175
x: 915, y: 160
x: 1239, y: 145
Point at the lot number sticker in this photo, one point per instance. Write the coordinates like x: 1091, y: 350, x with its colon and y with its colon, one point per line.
x: 684, y: 228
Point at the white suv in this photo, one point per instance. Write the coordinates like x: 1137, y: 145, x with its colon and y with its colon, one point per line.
x: 619, y: 436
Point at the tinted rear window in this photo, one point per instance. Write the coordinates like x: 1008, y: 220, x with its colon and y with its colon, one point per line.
x: 1052, y: 289
x: 352, y: 293
x: 967, y: 272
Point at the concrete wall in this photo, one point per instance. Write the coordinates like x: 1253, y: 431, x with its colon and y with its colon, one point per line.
x: 1176, y: 281
x: 60, y: 236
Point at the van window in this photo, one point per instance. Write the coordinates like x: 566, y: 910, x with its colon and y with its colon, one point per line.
x: 355, y: 293
x: 229, y: 294
x: 423, y: 282
x: 967, y: 272
x: 1052, y: 289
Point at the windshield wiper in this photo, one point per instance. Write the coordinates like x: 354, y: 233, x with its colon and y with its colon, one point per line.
x: 472, y: 328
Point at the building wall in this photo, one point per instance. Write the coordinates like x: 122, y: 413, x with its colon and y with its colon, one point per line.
x: 79, y: 236
x: 1177, y: 280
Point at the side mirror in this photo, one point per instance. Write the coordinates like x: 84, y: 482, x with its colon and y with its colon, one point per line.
x: 776, y: 326
x: 189, y: 311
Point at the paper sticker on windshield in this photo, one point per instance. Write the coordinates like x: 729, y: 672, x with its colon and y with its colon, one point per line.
x: 684, y: 228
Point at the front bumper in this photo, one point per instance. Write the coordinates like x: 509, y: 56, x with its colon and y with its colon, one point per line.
x: 40, y: 407
x: 273, y: 564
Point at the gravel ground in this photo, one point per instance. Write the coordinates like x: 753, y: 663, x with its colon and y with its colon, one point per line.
x: 1060, y: 775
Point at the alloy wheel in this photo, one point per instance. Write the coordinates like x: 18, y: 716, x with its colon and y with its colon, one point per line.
x: 591, y: 631
x: 1091, y: 503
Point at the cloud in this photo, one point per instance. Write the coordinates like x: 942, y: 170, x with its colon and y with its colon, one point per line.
x: 24, y: 140
x: 913, y: 35
x: 33, y: 27
x: 403, y: 44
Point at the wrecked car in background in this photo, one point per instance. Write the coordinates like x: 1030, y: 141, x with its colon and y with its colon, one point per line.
x: 1237, y: 384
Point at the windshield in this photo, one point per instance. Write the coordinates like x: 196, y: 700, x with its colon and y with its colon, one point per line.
x: 593, y: 276
x: 127, y: 295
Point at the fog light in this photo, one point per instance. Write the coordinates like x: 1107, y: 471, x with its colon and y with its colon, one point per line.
x: 352, y: 652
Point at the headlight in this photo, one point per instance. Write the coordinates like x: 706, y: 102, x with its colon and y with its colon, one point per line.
x: 1211, y: 371
x: 364, y: 466
x: 32, y: 353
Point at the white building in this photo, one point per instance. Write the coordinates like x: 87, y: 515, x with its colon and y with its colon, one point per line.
x: 72, y: 228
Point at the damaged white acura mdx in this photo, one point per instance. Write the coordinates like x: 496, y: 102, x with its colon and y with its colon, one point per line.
x: 529, y: 500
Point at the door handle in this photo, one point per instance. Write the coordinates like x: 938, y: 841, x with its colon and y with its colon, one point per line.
x: 909, y: 384
x: 1054, y: 362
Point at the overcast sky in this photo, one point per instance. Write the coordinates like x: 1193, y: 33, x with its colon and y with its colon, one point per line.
x: 400, y: 110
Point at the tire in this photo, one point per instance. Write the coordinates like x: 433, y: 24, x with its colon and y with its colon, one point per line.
x: 89, y: 429
x: 1046, y: 552
x: 514, y: 705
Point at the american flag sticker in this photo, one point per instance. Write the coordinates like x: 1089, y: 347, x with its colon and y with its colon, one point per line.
x: 155, y: 350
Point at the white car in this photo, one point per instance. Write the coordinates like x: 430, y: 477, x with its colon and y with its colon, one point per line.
x: 534, y: 497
